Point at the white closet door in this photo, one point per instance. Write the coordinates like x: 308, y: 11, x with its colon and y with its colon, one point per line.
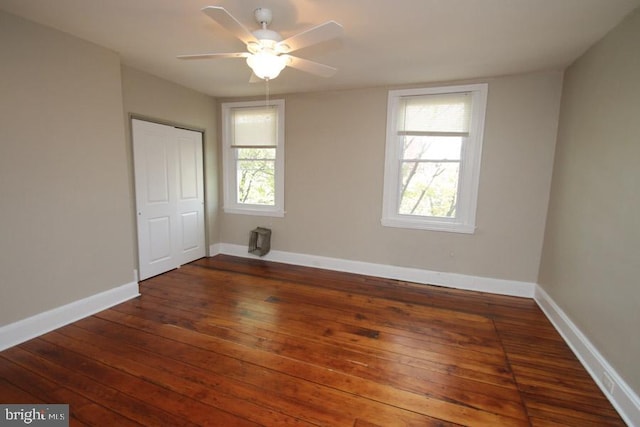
x: 190, y: 195
x: 169, y: 196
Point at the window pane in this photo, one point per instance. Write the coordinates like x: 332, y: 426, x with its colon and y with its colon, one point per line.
x: 256, y: 153
x: 256, y: 182
x: 432, y: 147
x: 429, y: 189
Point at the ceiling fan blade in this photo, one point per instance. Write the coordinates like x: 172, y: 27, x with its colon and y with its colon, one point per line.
x: 231, y: 24
x: 310, y: 66
x: 215, y: 55
x: 320, y: 33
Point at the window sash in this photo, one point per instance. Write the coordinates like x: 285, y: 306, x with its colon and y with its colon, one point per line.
x: 431, y: 133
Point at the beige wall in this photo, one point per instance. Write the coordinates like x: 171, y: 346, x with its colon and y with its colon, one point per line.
x: 335, y: 144
x: 65, y: 228
x: 147, y: 96
x: 591, y: 258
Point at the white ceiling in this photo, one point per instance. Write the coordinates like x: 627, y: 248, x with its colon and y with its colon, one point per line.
x: 386, y: 42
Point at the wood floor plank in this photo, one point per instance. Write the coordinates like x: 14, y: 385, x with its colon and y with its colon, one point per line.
x: 243, y: 342
x: 447, y: 348
x: 365, y: 365
x: 169, y: 373
x: 393, y: 290
x: 561, y: 414
x: 234, y: 355
x: 10, y: 393
x: 441, y: 326
x: 454, y: 358
x: 185, y: 408
x: 82, y: 410
x: 311, y: 294
x: 127, y: 405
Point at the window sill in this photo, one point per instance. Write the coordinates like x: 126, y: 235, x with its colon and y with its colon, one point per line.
x: 279, y: 213
x: 431, y: 225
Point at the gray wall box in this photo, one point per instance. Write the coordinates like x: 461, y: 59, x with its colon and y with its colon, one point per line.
x: 260, y: 241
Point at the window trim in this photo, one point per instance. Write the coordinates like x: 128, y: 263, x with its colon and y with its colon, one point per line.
x: 465, y: 220
x: 229, y: 176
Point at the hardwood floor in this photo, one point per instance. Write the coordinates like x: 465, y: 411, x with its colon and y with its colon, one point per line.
x: 228, y: 341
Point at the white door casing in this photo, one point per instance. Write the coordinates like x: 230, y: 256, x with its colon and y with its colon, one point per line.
x: 169, y: 196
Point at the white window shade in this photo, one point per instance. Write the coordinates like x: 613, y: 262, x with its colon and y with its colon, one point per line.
x: 254, y: 127
x: 434, y: 115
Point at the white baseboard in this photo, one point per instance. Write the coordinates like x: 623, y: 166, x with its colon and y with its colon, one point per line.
x: 621, y: 396
x: 416, y: 275
x: 215, y: 249
x: 34, y: 326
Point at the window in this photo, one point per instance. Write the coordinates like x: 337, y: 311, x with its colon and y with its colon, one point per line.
x: 253, y: 157
x: 432, y: 160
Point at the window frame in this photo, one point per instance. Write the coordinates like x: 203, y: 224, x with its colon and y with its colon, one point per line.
x: 229, y: 165
x: 469, y: 174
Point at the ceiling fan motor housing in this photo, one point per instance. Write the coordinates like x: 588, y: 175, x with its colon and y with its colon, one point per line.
x: 268, y: 38
x: 263, y: 15
x: 265, y: 34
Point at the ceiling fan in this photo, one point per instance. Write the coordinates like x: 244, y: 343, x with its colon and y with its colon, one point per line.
x: 267, y: 53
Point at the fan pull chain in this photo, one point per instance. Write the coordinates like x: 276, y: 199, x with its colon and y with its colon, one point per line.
x: 266, y: 84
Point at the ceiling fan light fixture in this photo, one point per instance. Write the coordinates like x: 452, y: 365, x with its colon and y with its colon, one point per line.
x: 266, y: 65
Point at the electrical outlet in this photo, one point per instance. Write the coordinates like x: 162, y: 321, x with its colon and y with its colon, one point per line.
x: 608, y: 383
